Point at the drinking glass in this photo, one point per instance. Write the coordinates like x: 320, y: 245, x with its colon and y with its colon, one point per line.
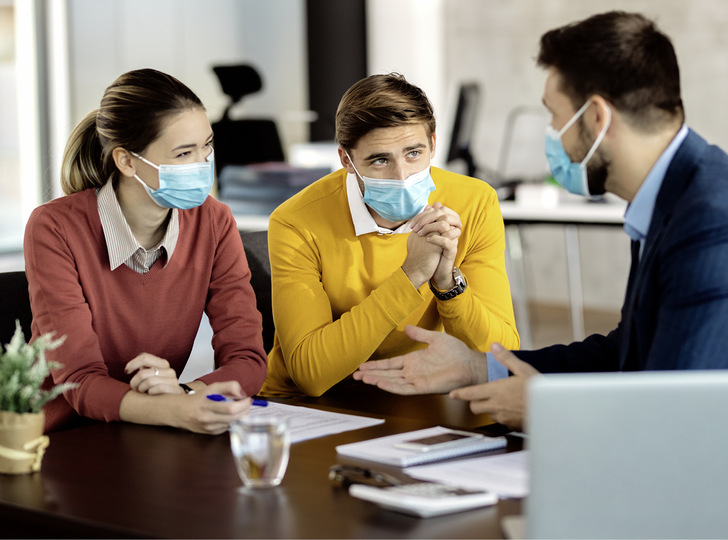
x: 260, y: 446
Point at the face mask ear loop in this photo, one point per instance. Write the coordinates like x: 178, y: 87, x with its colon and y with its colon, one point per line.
x: 574, y: 118
x: 145, y: 160
x: 352, y: 164
x: 600, y: 137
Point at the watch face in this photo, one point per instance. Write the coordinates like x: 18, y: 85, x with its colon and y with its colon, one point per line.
x: 458, y: 276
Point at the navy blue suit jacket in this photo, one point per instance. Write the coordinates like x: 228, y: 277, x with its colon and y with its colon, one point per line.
x: 675, y: 312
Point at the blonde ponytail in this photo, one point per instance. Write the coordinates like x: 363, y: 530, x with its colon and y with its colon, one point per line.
x: 82, y: 166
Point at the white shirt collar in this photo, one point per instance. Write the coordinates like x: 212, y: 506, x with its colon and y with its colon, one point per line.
x: 363, y: 221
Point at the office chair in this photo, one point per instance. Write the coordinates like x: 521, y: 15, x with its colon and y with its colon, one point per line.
x: 15, y: 303
x: 256, y: 251
x: 463, y: 125
x: 245, y: 140
x: 470, y: 97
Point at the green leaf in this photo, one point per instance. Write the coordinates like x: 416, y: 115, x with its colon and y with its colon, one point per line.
x: 23, y: 369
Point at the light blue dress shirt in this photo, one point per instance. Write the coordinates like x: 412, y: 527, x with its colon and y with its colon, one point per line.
x: 639, y: 212
x: 637, y: 219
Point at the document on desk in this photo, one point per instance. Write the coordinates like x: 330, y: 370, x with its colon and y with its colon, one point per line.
x: 307, y: 423
x: 504, y: 474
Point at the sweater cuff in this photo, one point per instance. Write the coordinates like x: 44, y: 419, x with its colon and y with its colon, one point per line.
x: 105, y: 393
x: 397, y: 297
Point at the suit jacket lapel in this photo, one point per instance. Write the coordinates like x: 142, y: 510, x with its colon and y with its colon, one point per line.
x: 677, y: 177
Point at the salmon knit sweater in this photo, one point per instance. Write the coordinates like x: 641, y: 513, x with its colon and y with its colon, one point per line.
x: 109, y: 317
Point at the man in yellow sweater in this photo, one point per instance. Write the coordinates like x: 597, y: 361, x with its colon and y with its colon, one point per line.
x: 384, y: 242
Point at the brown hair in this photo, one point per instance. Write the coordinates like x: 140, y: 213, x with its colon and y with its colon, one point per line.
x: 381, y: 101
x: 622, y: 57
x: 131, y: 115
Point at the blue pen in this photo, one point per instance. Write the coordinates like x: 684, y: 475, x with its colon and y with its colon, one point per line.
x: 218, y: 397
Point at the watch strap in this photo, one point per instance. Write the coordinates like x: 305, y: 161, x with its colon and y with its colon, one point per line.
x: 188, y: 389
x: 460, y: 285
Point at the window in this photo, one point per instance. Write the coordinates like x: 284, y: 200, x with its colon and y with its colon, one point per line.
x: 11, y: 221
x: 33, y: 108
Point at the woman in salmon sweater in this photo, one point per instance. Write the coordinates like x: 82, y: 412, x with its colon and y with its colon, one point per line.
x: 126, y: 263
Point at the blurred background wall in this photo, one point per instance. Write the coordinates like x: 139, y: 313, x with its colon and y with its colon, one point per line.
x: 437, y: 44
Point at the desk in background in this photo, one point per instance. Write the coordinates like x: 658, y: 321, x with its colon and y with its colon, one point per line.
x: 126, y: 480
x: 571, y: 214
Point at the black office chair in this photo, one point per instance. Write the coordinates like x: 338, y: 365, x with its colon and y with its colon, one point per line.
x: 463, y: 126
x: 256, y: 250
x: 245, y: 140
x: 15, y: 304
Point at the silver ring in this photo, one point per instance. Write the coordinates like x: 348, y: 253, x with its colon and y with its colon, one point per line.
x: 156, y: 372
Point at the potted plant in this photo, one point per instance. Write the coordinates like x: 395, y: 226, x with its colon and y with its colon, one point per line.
x: 23, y: 368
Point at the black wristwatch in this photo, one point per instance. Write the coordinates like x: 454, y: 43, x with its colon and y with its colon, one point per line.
x: 186, y: 388
x: 460, y: 285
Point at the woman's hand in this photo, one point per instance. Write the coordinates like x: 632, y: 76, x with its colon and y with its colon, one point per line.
x: 153, y: 375
x: 193, y: 412
x: 201, y: 415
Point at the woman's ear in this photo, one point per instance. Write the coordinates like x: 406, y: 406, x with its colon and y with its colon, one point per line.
x: 123, y: 160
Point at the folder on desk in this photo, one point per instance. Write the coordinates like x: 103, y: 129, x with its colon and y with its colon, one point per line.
x: 384, y: 449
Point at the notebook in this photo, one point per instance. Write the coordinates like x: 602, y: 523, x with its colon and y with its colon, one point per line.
x: 628, y: 455
x: 383, y: 449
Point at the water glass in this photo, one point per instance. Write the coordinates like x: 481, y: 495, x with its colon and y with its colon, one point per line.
x: 260, y: 446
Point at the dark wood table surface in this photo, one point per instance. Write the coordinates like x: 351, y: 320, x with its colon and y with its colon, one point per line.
x: 125, y: 480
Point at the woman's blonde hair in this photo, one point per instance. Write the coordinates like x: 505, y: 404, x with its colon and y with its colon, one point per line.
x: 131, y: 115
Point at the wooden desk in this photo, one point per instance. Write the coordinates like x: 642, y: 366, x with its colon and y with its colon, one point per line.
x: 125, y: 480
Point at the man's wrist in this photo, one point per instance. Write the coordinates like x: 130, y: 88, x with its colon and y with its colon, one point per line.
x: 443, y: 287
x: 416, y: 278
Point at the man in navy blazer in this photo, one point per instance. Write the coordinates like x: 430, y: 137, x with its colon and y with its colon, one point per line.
x: 617, y: 125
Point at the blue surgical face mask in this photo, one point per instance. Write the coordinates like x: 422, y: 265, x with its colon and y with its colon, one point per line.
x: 397, y: 200
x: 572, y: 176
x: 181, y: 186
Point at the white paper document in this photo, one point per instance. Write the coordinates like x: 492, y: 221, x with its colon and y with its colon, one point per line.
x: 504, y: 474
x: 307, y: 423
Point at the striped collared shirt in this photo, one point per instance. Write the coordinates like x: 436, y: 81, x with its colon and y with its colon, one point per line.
x: 122, y: 246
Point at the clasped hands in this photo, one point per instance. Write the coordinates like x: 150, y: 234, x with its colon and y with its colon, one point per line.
x: 432, y: 246
x: 447, y: 365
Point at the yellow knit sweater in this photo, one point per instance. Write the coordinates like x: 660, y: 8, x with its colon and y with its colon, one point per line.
x: 340, y: 300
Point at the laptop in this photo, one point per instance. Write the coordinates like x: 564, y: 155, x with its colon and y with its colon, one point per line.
x: 628, y: 455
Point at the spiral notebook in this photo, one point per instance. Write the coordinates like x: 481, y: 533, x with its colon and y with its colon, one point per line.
x: 383, y: 449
